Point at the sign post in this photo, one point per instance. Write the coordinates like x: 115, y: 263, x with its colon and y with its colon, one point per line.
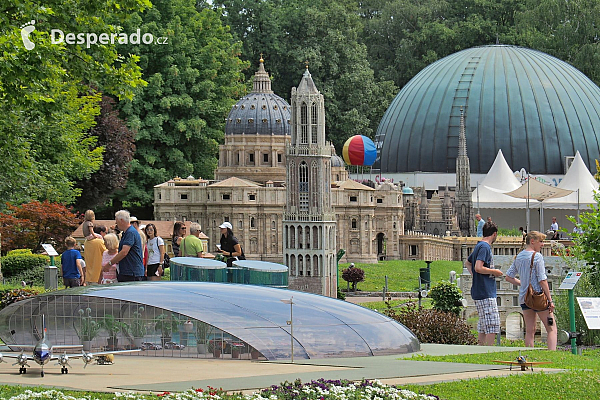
x: 568, y: 284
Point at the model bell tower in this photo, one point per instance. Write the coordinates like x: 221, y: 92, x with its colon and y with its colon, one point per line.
x: 462, y: 197
x: 309, y: 248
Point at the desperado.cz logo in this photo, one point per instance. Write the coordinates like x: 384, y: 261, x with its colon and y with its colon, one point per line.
x: 89, y: 39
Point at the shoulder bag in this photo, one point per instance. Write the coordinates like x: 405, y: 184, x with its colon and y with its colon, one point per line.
x: 534, y: 300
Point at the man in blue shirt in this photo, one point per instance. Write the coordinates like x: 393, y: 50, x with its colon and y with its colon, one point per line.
x: 480, y: 224
x: 130, y: 256
x: 483, y: 289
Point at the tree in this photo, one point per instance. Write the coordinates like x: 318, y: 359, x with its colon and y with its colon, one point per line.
x: 353, y: 275
x: 119, y: 146
x: 326, y: 34
x: 48, y: 95
x: 29, y: 225
x: 193, y: 81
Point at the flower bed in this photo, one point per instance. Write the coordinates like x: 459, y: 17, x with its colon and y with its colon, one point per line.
x: 316, y: 390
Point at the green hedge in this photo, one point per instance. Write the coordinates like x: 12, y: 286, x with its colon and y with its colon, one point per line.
x: 14, y: 264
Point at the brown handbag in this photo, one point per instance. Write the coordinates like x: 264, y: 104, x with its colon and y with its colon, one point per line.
x: 534, y: 300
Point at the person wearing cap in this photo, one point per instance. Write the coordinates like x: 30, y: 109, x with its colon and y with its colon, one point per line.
x: 230, y: 246
x: 191, y: 245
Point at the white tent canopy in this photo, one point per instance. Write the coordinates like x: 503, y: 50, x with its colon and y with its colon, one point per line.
x: 536, y: 190
x: 499, y: 180
x: 577, y: 178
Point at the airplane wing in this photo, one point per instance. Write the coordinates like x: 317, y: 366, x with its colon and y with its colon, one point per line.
x: 92, y: 354
x: 17, y: 355
x: 67, y: 346
x: 21, y: 347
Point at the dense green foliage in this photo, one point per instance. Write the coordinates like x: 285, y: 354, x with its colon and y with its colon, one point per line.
x: 326, y: 34
x: 447, y: 297
x: 14, y: 264
x: 403, y: 276
x: 49, y: 95
x: 193, y: 81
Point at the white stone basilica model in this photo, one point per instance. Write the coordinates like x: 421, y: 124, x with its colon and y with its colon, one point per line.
x: 309, y: 226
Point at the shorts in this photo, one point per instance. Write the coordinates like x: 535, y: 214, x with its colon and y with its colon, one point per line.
x: 72, y: 282
x: 489, y: 318
x: 151, y: 269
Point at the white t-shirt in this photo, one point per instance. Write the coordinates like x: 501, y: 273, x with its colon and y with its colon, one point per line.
x: 153, y: 250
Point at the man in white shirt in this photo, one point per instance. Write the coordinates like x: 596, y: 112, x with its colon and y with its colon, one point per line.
x: 554, y: 228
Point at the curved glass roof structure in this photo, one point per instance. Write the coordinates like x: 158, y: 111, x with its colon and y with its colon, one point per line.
x: 534, y: 107
x: 251, y: 318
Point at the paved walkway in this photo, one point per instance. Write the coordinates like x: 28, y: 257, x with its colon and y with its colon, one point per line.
x: 160, y: 374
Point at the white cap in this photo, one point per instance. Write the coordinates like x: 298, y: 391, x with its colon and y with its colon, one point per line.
x: 226, y: 225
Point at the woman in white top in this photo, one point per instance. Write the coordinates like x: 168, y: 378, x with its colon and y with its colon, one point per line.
x: 522, y: 266
x: 156, y: 253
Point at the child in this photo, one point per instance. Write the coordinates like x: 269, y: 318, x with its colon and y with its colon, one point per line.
x: 88, y: 226
x: 109, y: 273
x: 72, y: 269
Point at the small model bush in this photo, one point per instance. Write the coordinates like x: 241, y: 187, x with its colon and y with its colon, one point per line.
x: 16, y: 263
x: 433, y: 326
x: 353, y: 275
x: 446, y: 296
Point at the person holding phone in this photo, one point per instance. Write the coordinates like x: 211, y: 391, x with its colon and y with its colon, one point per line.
x: 230, y: 247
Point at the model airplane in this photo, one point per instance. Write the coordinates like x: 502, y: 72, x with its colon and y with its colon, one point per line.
x: 43, y: 353
x: 521, y: 361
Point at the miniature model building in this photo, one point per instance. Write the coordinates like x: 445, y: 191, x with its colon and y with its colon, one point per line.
x: 255, y: 182
x: 205, y: 320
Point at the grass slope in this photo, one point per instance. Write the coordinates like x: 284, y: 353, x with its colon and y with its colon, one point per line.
x: 403, y: 276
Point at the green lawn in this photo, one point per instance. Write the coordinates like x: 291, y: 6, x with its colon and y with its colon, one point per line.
x: 403, y: 276
x: 580, y: 382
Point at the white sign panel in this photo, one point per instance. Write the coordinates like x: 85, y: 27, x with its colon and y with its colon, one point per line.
x: 590, y: 308
x: 49, y: 249
x: 570, y: 280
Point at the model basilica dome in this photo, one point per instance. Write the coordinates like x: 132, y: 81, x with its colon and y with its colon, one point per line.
x: 261, y: 111
x: 536, y: 108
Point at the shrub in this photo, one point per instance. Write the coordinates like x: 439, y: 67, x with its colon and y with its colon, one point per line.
x: 432, y: 326
x: 14, y: 264
x: 584, y: 288
x: 353, y: 275
x: 446, y: 296
x: 33, y: 276
x: 9, y: 296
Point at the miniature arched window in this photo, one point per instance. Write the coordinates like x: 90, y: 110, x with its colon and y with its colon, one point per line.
x: 303, y: 189
x: 314, y: 114
x: 354, y: 225
x: 303, y: 124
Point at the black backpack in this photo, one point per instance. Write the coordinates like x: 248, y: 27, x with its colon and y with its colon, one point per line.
x: 166, y: 261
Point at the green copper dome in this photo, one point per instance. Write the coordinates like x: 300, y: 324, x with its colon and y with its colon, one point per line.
x: 534, y: 107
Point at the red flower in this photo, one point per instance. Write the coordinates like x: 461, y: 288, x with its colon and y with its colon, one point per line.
x: 163, y: 394
x: 199, y: 390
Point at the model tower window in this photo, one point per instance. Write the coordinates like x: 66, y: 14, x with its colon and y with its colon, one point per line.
x: 313, y: 123
x: 304, y: 124
x: 303, y: 187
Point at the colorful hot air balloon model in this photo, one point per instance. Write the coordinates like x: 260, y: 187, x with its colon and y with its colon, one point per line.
x: 359, y: 150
